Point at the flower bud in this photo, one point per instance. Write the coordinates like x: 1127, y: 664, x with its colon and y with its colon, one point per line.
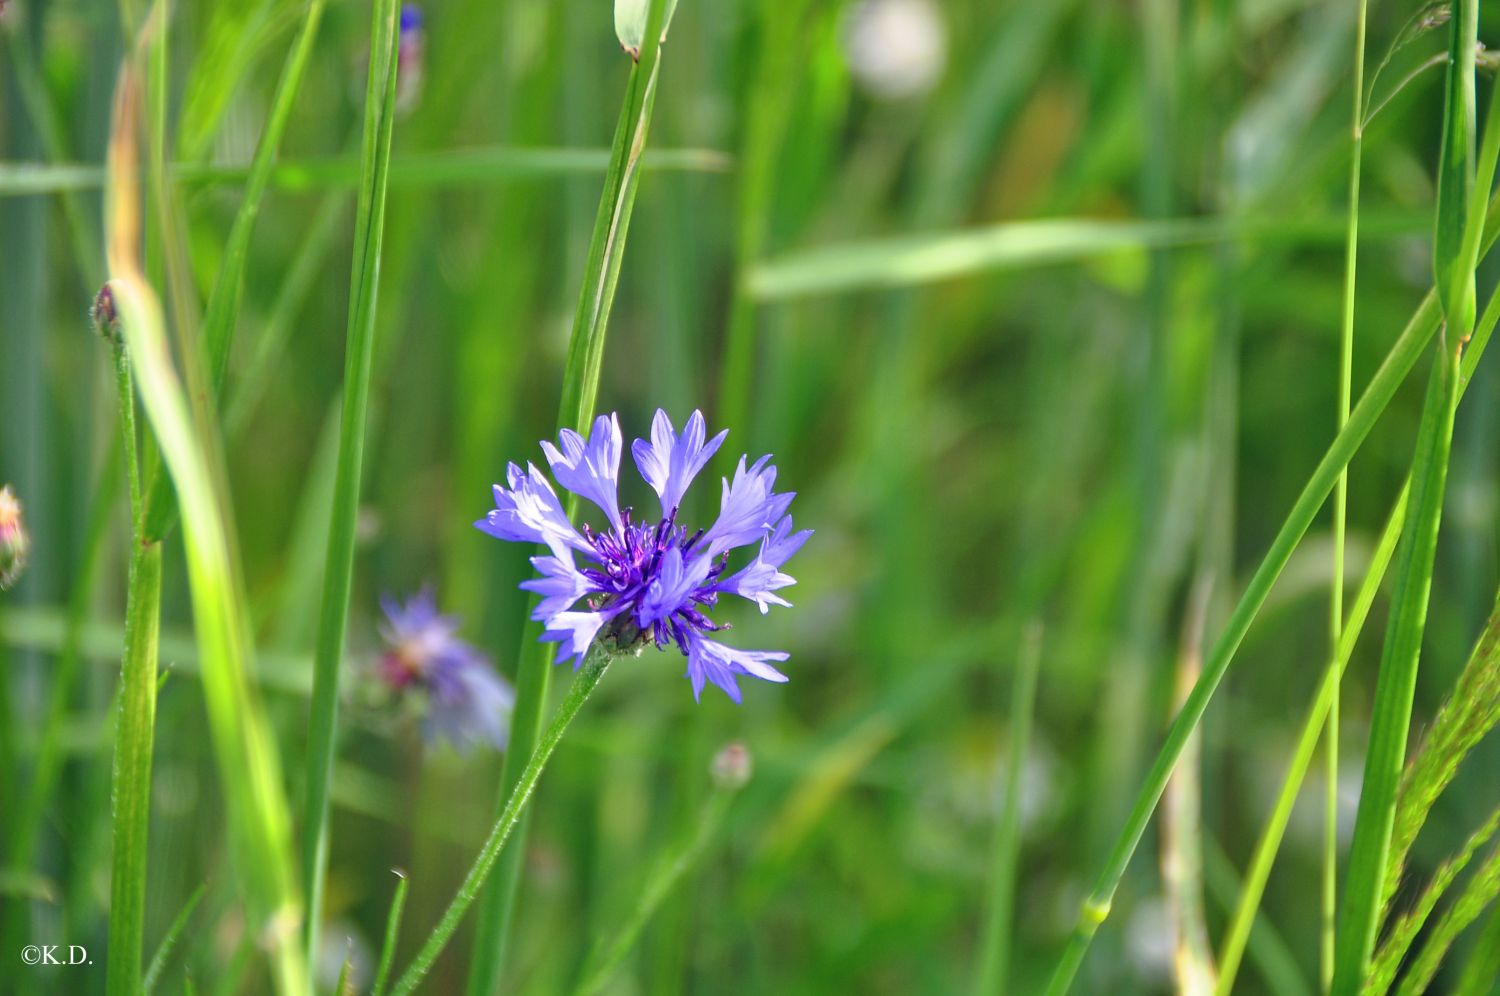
x: 13, y: 540
x: 732, y: 767
x: 104, y: 316
x: 630, y: 23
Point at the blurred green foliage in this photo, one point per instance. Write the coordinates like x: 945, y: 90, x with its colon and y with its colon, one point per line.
x: 987, y: 428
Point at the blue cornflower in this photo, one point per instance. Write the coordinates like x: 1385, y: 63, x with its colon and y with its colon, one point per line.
x: 467, y: 702
x: 649, y: 582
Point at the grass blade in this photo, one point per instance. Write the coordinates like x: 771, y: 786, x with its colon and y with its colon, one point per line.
x: 911, y: 260
x: 994, y: 962
x: 248, y: 765
x: 169, y: 941
x: 392, y: 933
x: 1482, y: 890
x: 369, y: 227
x: 1237, y: 935
x: 1472, y: 710
x: 1393, y: 949
x: 484, y: 165
x: 1340, y: 509
x: 1398, y: 363
x: 1397, y: 682
x: 1455, y: 255
x: 134, y: 730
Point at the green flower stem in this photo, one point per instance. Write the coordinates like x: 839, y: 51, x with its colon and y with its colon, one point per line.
x: 593, y: 668
x: 1340, y: 507
x: 576, y: 408
x: 135, y: 726
x: 380, y: 115
x: 1382, y: 388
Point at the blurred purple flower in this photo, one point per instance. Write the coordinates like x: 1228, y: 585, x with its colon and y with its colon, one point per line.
x: 649, y: 582
x: 411, y: 57
x: 467, y: 702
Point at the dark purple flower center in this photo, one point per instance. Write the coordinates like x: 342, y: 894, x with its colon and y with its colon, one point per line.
x: 629, y: 562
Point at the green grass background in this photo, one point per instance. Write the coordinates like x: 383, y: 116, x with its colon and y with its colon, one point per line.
x: 990, y: 424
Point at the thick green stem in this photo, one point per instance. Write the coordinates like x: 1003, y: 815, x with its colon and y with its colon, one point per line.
x: 575, y: 409
x: 135, y: 726
x: 593, y: 668
x: 322, y: 724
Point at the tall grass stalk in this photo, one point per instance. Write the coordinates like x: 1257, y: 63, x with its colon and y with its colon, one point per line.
x: 1397, y: 682
x: 258, y: 819
x: 580, y: 388
x: 1340, y: 508
x: 1398, y: 362
x: 1471, y: 711
x: 135, y: 724
x: 1237, y: 934
x: 1398, y: 939
x: 338, y: 576
x: 584, y: 682
x: 994, y: 960
x: 1461, y: 197
x: 1482, y: 890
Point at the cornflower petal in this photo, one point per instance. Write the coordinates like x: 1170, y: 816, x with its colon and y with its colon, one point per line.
x: 590, y: 469
x: 561, y: 585
x: 529, y: 512
x: 749, y: 509
x: 650, y: 582
x: 758, y: 582
x: 777, y: 548
x: 575, y: 631
x: 669, y: 462
x: 709, y: 660
x: 672, y: 587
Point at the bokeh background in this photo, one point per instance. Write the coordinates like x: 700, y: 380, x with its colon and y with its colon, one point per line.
x: 995, y: 430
